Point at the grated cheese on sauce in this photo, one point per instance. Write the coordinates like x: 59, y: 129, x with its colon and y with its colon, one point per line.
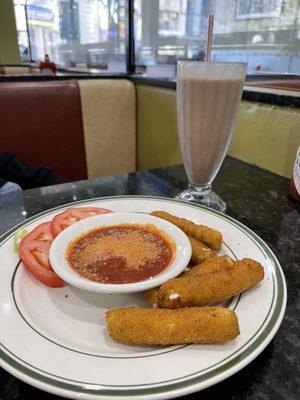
x: 120, y: 254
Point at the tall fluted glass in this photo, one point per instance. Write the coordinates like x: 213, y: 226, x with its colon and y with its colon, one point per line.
x: 208, y: 98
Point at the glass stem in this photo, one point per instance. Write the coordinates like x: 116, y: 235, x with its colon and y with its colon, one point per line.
x: 201, y: 189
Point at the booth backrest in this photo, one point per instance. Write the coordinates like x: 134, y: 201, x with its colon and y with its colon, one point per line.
x: 79, y: 129
x: 41, y: 124
x: 108, y: 114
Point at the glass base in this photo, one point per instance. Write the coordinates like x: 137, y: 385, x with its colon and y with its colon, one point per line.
x: 203, y: 195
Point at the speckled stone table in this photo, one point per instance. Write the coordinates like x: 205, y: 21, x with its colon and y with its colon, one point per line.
x: 256, y: 198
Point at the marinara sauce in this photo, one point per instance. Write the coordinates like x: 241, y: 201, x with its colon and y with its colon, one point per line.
x: 120, y: 254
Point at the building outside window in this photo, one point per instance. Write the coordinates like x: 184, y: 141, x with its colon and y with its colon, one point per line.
x: 90, y: 34
x: 22, y: 30
x: 263, y: 33
x: 79, y: 34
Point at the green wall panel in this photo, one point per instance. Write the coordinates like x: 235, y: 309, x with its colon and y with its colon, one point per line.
x: 157, y: 128
x: 9, y: 50
x: 266, y: 136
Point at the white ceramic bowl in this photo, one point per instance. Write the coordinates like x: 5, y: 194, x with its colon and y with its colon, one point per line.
x: 57, y: 254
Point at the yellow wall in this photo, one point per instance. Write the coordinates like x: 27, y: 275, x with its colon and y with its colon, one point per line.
x: 9, y: 51
x: 266, y: 136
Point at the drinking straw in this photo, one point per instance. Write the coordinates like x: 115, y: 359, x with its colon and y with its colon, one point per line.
x: 209, y: 36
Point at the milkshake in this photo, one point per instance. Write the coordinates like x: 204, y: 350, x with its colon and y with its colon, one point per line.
x: 208, y: 98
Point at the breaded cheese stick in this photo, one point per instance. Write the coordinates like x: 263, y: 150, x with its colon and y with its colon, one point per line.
x: 200, y: 252
x: 151, y: 296
x: 208, y: 236
x: 146, y: 326
x: 209, y: 266
x: 211, y: 288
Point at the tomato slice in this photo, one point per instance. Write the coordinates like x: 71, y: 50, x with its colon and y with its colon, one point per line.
x: 34, y: 252
x: 71, y: 215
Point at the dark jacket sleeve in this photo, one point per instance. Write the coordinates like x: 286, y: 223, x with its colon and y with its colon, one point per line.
x: 25, y: 175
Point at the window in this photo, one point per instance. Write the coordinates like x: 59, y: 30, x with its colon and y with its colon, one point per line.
x: 22, y: 30
x: 263, y: 33
x: 79, y: 34
x: 90, y: 34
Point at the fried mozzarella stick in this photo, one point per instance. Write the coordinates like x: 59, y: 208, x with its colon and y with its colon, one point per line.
x: 151, y: 296
x: 146, y: 326
x: 208, y: 236
x: 211, y: 288
x: 200, y: 252
x: 209, y: 266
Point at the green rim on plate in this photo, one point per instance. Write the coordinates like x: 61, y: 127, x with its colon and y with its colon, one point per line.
x: 245, y: 354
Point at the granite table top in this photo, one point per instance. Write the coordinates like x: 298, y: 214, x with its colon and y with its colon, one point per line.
x: 255, y: 197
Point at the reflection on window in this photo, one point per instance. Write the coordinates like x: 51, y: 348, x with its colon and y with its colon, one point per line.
x: 22, y: 30
x: 263, y: 33
x: 258, y: 9
x: 75, y: 33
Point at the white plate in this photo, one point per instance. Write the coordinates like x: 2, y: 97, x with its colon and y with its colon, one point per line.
x: 58, y: 249
x: 56, y: 339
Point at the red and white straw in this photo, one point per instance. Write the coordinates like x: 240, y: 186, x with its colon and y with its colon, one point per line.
x: 209, y: 36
